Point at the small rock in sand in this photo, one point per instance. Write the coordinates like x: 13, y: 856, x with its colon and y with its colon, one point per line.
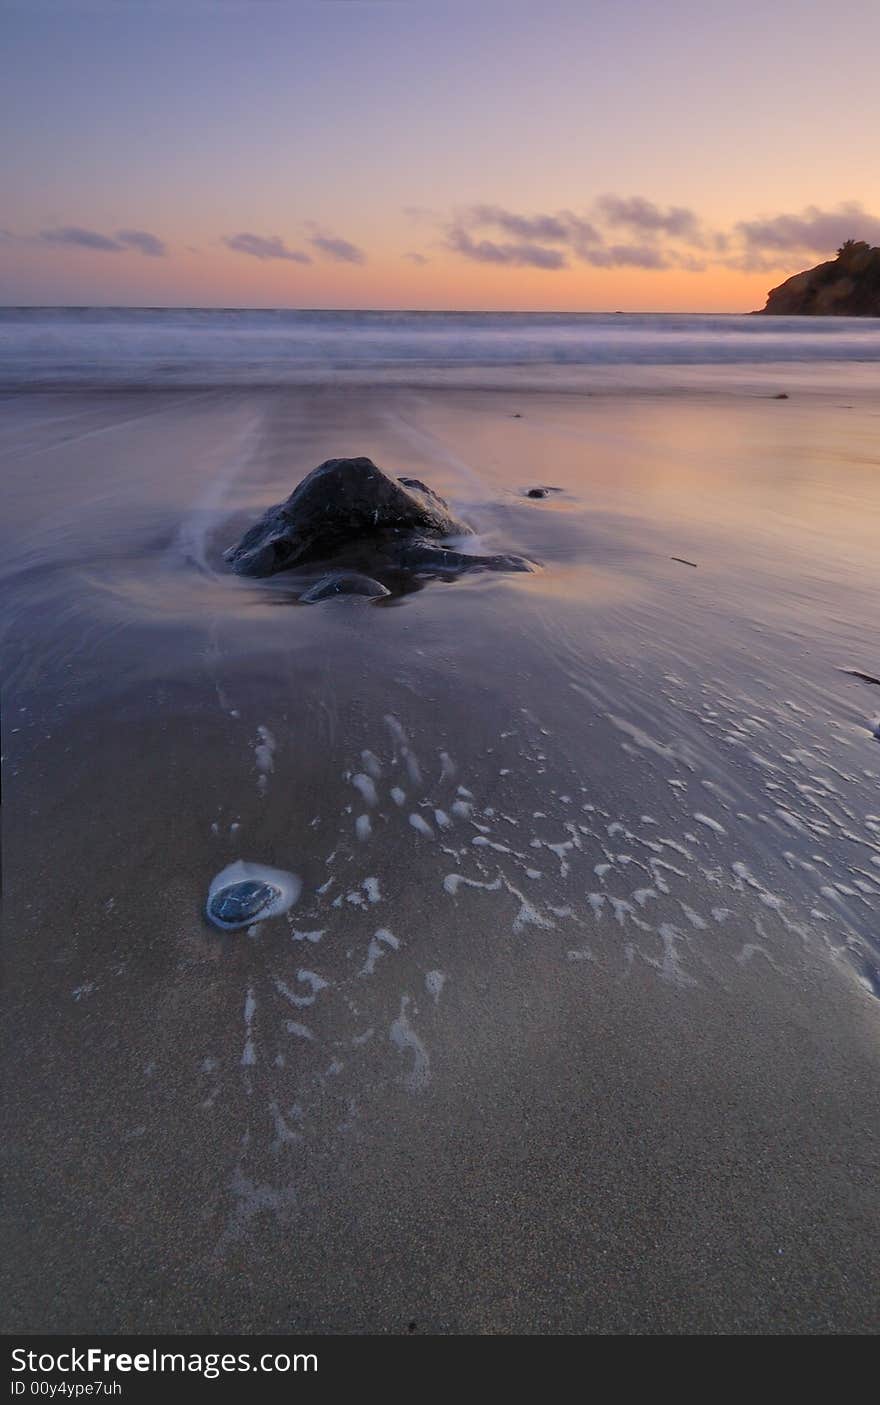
x: 343, y: 583
x: 240, y: 903
x: 245, y: 893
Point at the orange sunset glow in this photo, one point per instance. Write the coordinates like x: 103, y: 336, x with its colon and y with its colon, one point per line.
x: 365, y: 155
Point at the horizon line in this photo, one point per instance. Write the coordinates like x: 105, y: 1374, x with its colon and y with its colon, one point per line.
x: 406, y: 311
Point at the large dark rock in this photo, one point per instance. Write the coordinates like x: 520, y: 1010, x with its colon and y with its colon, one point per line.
x: 352, y: 516
x: 848, y: 286
x: 340, y: 501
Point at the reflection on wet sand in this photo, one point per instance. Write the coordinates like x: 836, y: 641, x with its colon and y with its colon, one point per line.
x: 583, y: 968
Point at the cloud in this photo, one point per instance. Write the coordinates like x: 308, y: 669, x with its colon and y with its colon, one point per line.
x: 339, y: 249
x: 76, y: 237
x: 522, y: 255
x: 753, y: 262
x: 634, y: 212
x: 630, y: 256
x: 81, y: 239
x: 574, y: 236
x: 260, y: 247
x: 611, y: 231
x: 661, y: 237
x: 813, y: 231
x: 564, y: 227
x: 584, y: 236
x: 549, y: 227
x: 144, y: 242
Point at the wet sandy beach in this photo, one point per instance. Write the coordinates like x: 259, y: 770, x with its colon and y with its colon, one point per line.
x: 574, y: 1025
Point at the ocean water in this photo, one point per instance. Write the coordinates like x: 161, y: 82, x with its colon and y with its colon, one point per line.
x: 194, y: 346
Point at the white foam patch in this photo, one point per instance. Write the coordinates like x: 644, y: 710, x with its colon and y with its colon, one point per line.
x: 708, y: 821
x: 670, y: 967
x: 621, y: 909
x: 751, y: 950
x: 421, y: 826
x: 363, y: 828
x: 409, y: 757
x: 404, y: 1038
x: 694, y: 918
x: 453, y: 881
x: 288, y: 884
x: 376, y: 949
x: 434, y: 983
x: 249, y: 1052
x: 291, y: 995
x: 311, y: 979
x: 372, y: 764
x: 367, y: 788
x: 299, y: 1031
x: 285, y: 1135
x: 398, y: 795
x: 264, y: 755
x: 528, y: 915
x: 642, y: 739
x: 480, y: 841
x: 371, y: 888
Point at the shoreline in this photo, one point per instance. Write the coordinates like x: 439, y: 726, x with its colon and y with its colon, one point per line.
x: 752, y: 380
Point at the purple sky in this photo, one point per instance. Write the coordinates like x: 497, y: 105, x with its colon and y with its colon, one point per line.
x: 385, y: 153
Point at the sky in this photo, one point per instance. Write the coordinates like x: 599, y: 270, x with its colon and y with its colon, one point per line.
x: 574, y: 155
